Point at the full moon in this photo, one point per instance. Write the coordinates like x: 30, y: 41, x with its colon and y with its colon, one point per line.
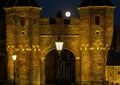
x: 67, y: 14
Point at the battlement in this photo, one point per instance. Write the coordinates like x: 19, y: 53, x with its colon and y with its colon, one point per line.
x: 62, y: 26
x: 48, y: 21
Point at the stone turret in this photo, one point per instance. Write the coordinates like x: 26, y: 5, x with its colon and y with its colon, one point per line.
x: 96, y: 23
x: 22, y: 30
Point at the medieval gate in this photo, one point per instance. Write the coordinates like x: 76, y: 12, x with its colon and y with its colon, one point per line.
x: 88, y: 37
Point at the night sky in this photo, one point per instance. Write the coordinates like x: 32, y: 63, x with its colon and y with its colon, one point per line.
x: 51, y: 7
x: 117, y: 12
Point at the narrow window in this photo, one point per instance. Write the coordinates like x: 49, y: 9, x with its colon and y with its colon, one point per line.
x: 22, y: 21
x: 97, y: 20
x: 34, y: 21
x: 119, y: 72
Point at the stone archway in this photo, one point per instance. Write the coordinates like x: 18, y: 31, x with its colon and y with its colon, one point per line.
x: 60, y: 69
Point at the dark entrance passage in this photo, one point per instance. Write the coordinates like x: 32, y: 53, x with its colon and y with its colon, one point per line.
x: 60, y: 69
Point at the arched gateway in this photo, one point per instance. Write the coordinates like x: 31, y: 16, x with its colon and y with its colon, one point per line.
x: 60, y: 69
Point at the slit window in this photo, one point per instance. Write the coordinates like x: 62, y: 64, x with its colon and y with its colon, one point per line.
x: 97, y: 20
x: 34, y: 21
x: 22, y: 21
x: 119, y: 72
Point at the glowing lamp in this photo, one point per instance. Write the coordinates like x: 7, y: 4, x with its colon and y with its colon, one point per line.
x: 59, y: 44
x: 14, y: 57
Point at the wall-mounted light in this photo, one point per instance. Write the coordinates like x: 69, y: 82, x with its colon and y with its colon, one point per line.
x: 14, y: 57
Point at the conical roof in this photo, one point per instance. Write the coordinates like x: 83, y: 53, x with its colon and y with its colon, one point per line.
x: 96, y: 3
x: 14, y: 3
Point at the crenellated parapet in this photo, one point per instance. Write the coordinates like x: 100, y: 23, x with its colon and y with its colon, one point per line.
x: 53, y: 21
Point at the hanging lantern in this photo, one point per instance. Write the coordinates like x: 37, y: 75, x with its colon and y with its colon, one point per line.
x: 59, y: 44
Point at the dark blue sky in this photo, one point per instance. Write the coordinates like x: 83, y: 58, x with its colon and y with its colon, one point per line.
x: 50, y: 8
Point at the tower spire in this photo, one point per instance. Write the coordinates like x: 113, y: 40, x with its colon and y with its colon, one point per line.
x: 96, y: 3
x: 14, y: 3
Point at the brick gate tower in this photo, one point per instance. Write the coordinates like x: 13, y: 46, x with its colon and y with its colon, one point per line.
x: 96, y: 22
x: 22, y: 24
x: 31, y: 38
